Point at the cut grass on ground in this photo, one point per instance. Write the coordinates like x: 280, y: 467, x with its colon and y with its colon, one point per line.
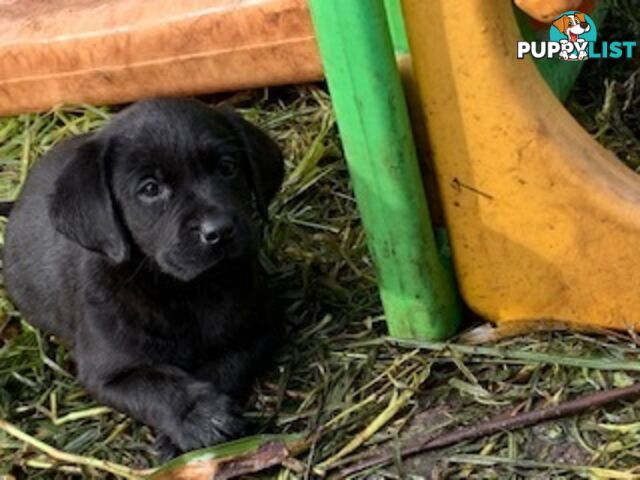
x: 337, y: 371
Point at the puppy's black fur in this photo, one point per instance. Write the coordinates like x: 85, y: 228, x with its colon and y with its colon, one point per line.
x: 136, y: 246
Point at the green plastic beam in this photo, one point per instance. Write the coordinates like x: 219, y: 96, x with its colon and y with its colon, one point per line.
x: 417, y: 288
x: 396, y: 26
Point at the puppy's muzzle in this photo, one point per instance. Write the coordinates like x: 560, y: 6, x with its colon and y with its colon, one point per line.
x: 216, y: 229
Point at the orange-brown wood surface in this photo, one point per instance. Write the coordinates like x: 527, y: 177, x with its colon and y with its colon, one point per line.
x: 102, y: 52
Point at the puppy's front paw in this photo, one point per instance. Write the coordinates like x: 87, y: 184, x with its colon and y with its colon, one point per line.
x: 211, y: 420
x: 165, y: 448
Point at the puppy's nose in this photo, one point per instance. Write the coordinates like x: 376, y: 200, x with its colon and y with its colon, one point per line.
x: 585, y: 25
x: 215, y: 230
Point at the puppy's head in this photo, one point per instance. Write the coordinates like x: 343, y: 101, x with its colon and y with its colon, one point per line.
x: 173, y: 179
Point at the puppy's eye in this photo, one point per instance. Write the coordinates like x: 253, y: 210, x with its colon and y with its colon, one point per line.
x: 149, y: 189
x: 227, y: 167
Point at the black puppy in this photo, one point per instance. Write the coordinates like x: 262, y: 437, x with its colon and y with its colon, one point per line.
x: 136, y: 246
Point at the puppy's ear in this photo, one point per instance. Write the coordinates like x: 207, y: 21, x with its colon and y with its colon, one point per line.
x: 82, y: 208
x: 264, y: 161
x: 561, y: 23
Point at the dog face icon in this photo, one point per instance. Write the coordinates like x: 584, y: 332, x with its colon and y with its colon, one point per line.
x: 572, y: 25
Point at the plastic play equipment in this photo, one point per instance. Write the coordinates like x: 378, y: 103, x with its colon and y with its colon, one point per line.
x: 542, y: 220
x: 90, y: 51
x: 545, y: 10
x: 416, y: 288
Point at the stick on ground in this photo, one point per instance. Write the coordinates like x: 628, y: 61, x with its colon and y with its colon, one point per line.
x: 382, y: 455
